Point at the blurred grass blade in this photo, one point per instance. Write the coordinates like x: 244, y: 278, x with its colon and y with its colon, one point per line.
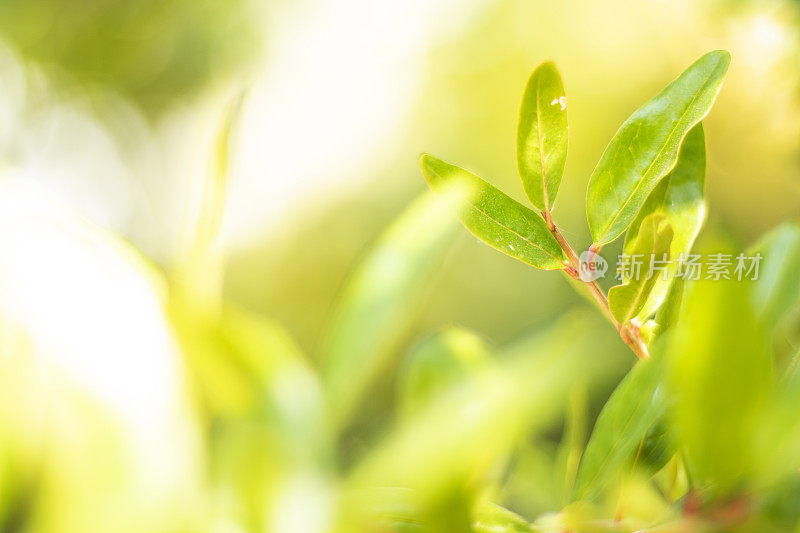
x: 573, y: 441
x: 646, y: 147
x: 719, y: 374
x: 777, y: 289
x: 637, y: 404
x: 200, y: 274
x: 453, y: 358
x: 632, y: 299
x: 380, y: 300
x: 542, y: 136
x: 495, y: 218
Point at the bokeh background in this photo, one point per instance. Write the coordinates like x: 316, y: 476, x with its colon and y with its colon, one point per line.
x: 117, y: 411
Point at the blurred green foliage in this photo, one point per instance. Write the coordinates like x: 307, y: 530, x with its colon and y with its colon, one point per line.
x: 152, y: 51
x: 409, y: 379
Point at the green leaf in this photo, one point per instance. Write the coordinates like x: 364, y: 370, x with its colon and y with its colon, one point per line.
x: 573, y: 441
x: 239, y: 361
x: 636, y: 406
x: 669, y: 311
x: 450, y: 359
x: 460, y: 437
x: 380, y: 300
x: 200, y: 273
x: 529, y: 483
x: 542, y: 136
x: 494, y: 218
x: 631, y: 299
x: 719, y: 374
x: 646, y: 147
x: 777, y: 289
x: 679, y: 196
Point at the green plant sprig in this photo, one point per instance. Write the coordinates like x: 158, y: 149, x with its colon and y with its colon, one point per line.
x: 650, y: 177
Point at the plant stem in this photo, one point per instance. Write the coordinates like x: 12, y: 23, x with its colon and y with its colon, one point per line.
x: 629, y: 334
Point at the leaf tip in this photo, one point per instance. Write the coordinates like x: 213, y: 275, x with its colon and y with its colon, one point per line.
x: 547, y: 65
x: 723, y: 58
x: 427, y: 164
x: 723, y: 54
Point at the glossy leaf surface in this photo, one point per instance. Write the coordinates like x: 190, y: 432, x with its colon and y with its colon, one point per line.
x: 652, y: 244
x: 679, y: 196
x: 542, y: 136
x: 380, y: 299
x: 495, y: 218
x: 646, y: 147
x: 636, y: 405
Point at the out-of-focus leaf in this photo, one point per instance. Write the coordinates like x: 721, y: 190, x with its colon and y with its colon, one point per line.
x: 224, y: 383
x: 398, y: 510
x: 637, y: 404
x: 461, y: 436
x: 451, y: 358
x: 530, y: 485
x: 289, y: 389
x: 491, y: 518
x: 379, y: 301
x: 672, y: 479
x: 668, y: 313
x: 573, y: 441
x: 632, y: 298
x: 778, y: 438
x: 495, y: 218
x: 777, y: 289
x: 780, y: 508
x: 265, y: 408
x: 542, y: 136
x: 658, y: 447
x: 646, y: 147
x: 242, y: 364
x: 679, y: 195
x: 199, y: 276
x: 217, y: 179
x: 719, y: 373
x: 196, y: 45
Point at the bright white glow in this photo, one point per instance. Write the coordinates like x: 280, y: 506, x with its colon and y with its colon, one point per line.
x: 93, y: 313
x: 304, y: 503
x: 761, y: 42
x: 340, y: 79
x: 55, y: 142
x: 767, y: 34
